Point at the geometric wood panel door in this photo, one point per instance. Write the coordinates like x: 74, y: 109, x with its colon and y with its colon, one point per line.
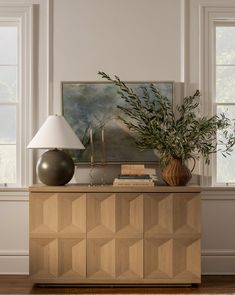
x: 129, y: 258
x: 158, y: 214
x: 58, y: 236
x: 101, y: 258
x: 158, y: 258
x: 172, y: 258
x: 186, y: 214
x: 172, y: 213
x: 100, y: 214
x: 115, y: 235
x: 129, y: 214
x: 172, y: 236
x: 53, y: 213
x: 58, y: 258
x: 44, y: 258
x: 71, y: 258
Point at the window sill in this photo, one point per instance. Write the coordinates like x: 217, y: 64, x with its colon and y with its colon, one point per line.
x: 218, y: 188
x: 13, y: 189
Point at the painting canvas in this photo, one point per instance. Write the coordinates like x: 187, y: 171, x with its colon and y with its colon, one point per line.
x: 91, y: 110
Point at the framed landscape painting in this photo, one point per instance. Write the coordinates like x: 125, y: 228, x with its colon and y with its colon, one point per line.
x: 91, y: 110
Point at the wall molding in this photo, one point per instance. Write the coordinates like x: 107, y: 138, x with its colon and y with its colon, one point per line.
x: 207, y: 193
x: 218, y: 265
x: 218, y: 196
x: 14, y: 253
x: 12, y: 196
x: 218, y: 252
x: 14, y: 265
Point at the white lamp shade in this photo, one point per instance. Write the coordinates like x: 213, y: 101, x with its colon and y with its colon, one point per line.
x: 55, y: 133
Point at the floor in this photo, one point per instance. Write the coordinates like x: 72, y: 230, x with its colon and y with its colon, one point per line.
x: 210, y: 284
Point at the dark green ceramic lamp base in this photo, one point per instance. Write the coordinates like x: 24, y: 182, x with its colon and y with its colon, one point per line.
x: 55, y: 167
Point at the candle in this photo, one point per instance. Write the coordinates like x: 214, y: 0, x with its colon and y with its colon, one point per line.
x: 103, y: 144
x: 91, y: 147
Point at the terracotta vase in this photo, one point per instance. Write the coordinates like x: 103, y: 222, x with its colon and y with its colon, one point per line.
x: 176, y: 173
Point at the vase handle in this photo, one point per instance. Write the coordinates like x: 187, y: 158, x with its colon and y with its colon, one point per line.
x: 194, y: 164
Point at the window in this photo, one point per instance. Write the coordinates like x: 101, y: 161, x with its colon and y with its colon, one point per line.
x: 16, y: 84
x: 224, y: 82
x: 9, y: 68
x: 210, y: 67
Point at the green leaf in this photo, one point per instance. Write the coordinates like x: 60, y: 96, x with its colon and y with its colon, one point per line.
x: 182, y: 134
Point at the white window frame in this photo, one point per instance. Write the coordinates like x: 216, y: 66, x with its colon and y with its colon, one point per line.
x: 23, y: 15
x: 199, y: 63
x: 8, y: 23
x: 219, y: 23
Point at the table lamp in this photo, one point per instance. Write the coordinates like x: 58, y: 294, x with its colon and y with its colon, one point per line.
x: 55, y: 167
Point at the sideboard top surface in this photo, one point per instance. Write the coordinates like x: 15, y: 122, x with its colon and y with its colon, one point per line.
x: 110, y: 188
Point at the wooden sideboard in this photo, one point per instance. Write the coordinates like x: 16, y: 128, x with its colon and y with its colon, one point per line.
x: 115, y: 235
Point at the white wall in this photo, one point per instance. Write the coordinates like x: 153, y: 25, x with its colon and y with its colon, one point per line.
x: 135, y: 39
x: 14, y: 228
x: 218, y: 223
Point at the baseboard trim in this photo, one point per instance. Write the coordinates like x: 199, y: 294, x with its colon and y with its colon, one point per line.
x: 211, y: 265
x: 218, y: 265
x: 14, y: 253
x: 14, y: 265
x: 218, y: 252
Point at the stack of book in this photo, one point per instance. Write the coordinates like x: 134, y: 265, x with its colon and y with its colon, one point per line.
x: 130, y: 179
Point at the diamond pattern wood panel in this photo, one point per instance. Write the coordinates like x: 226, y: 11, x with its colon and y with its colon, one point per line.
x: 72, y: 258
x: 101, y: 258
x: 171, y: 258
x: 53, y: 213
x: 186, y: 258
x: 129, y: 258
x: 44, y: 258
x: 158, y: 214
x: 129, y: 214
x: 113, y: 237
x: 172, y: 236
x: 157, y: 258
x: 100, y: 213
x: 58, y: 236
x: 73, y: 209
x: 43, y: 213
x: 162, y: 214
x: 188, y: 221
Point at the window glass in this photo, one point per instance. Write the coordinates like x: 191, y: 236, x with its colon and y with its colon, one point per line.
x: 8, y: 103
x: 8, y: 45
x: 225, y: 167
x: 7, y: 124
x: 225, y: 44
x: 225, y: 95
x: 7, y: 164
x: 225, y: 83
x: 8, y: 81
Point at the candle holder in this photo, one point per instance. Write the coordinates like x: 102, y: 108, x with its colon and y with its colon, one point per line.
x: 103, y: 175
x: 91, y: 157
x: 103, y: 162
x: 91, y: 177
